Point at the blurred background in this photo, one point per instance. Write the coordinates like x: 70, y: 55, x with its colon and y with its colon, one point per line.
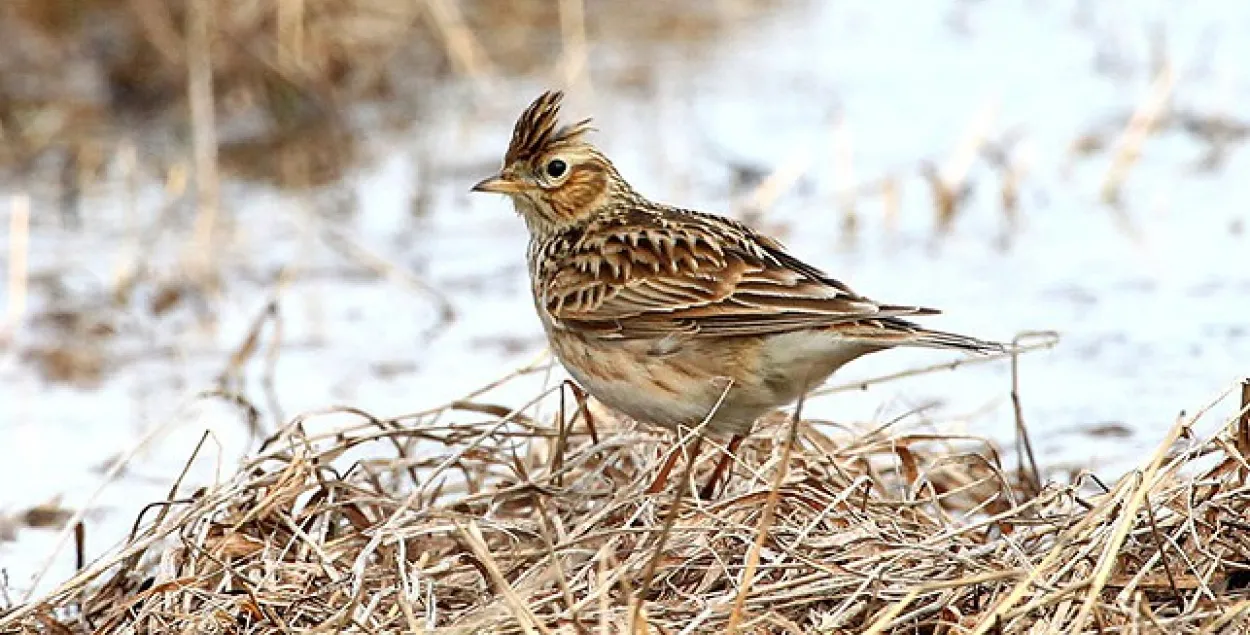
x: 218, y: 214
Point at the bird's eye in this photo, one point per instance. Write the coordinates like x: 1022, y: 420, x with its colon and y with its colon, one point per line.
x: 556, y: 168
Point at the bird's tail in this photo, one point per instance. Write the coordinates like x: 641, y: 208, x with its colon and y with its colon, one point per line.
x: 894, y: 331
x: 942, y: 339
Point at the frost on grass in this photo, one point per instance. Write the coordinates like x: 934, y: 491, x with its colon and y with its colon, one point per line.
x: 498, y: 523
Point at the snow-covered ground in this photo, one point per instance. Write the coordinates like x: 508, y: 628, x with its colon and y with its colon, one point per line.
x: 1152, y: 299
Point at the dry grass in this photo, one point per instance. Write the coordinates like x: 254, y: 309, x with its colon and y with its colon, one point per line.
x: 78, y: 75
x: 103, y: 99
x: 501, y: 524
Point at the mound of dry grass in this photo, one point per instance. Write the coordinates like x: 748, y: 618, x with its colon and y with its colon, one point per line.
x: 498, y: 523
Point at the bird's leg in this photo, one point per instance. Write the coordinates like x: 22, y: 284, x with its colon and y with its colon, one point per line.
x: 661, y: 479
x: 726, y: 459
x: 580, y: 396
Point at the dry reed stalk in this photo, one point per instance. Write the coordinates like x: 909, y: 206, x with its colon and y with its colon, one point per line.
x: 891, y: 204
x: 766, y: 521
x: 1012, y: 163
x: 477, y: 545
x: 19, y: 269
x: 200, y: 29
x: 1126, y: 521
x: 575, y: 61
x: 778, y: 182
x: 1243, y: 428
x: 1145, y: 119
x: 127, y: 262
x: 1023, y: 442
x: 291, y: 36
x: 463, y: 49
x: 157, y: 26
x: 950, y: 180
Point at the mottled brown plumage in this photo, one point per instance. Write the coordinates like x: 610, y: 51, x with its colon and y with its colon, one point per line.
x: 674, y: 316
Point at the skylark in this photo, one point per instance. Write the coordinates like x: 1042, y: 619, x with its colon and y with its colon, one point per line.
x: 676, y: 317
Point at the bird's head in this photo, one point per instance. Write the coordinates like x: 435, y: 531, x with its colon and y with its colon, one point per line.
x: 553, y: 176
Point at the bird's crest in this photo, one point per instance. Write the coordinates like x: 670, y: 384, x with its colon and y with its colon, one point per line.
x: 537, y: 131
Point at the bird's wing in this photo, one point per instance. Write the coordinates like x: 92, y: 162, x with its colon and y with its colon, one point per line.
x: 694, y: 275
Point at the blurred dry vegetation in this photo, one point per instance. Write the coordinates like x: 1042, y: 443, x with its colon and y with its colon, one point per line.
x: 77, y: 75
x: 98, y: 97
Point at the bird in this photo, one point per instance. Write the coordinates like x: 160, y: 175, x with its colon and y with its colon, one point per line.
x: 674, y: 317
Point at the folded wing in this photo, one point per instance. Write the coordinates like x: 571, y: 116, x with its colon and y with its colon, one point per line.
x: 645, y: 275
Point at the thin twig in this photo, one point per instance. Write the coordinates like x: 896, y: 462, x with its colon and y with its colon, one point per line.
x: 766, y: 520
x: 1022, y: 431
x: 1243, y: 427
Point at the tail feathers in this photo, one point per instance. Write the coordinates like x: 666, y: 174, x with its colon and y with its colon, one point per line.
x: 943, y: 339
x: 899, y: 332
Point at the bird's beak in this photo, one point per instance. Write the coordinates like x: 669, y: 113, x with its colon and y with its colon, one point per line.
x: 498, y: 184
